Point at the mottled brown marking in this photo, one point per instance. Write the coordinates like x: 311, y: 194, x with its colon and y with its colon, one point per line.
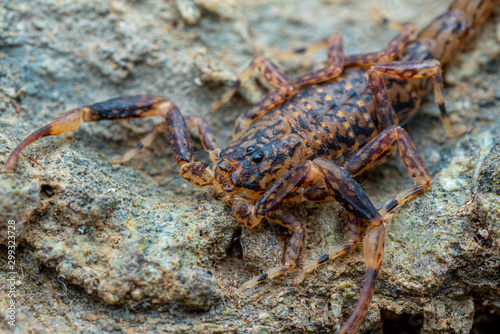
x: 197, y: 174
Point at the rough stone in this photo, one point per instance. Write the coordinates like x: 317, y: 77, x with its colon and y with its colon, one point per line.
x: 132, y: 247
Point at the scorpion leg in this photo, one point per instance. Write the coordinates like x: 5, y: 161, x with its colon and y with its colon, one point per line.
x: 339, y: 184
x: 145, y: 142
x: 335, y: 60
x: 393, y: 49
x: 204, y: 133
x: 378, y: 148
x: 354, y: 230
x: 312, y: 47
x: 274, y: 75
x: 293, y: 250
x: 407, y: 70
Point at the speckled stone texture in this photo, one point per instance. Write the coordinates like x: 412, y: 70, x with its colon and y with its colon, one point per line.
x: 134, y: 248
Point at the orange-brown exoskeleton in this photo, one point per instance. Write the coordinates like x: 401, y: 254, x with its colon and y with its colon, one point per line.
x: 310, y: 137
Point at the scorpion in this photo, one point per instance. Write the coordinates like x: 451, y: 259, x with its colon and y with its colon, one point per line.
x: 308, y: 139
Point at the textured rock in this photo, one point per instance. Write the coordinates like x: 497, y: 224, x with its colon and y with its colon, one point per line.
x: 138, y: 249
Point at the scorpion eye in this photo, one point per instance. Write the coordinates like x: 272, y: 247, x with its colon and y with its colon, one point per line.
x: 257, y: 158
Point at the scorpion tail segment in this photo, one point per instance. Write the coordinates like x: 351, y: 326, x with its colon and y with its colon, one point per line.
x: 69, y: 121
x: 373, y: 248
x: 476, y: 11
x: 451, y: 29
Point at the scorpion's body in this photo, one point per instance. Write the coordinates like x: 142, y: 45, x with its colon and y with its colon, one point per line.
x: 335, y: 118
x: 329, y: 120
x: 306, y: 140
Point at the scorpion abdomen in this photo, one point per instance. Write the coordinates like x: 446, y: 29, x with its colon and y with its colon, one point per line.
x: 337, y: 117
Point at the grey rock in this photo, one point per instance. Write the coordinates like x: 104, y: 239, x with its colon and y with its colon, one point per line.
x: 140, y: 249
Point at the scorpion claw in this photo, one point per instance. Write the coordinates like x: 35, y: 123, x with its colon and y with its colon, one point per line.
x: 69, y: 121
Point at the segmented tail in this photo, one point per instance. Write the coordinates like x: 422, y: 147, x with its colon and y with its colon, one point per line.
x: 373, y: 249
x: 442, y: 38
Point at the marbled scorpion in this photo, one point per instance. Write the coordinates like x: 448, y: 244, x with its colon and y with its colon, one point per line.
x: 310, y: 137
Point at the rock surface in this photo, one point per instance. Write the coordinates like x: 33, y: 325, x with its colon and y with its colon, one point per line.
x: 132, y: 247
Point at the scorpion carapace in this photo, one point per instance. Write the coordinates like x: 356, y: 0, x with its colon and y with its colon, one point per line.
x: 310, y: 137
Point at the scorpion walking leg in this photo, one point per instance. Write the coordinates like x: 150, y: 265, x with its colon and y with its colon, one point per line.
x: 204, y: 133
x: 354, y: 230
x: 293, y: 250
x: 145, y: 142
x: 275, y: 76
x: 339, y: 184
x: 272, y: 73
x: 395, y: 47
x: 377, y: 148
x: 312, y: 47
x: 335, y: 60
x: 407, y: 70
